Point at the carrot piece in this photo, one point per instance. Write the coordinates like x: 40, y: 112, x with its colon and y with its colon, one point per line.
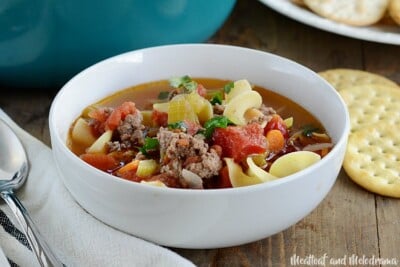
x: 183, y: 142
x: 277, y: 123
x: 324, y: 152
x: 130, y: 167
x: 100, y: 161
x: 276, y: 141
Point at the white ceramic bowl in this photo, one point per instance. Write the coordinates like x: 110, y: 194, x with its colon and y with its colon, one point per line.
x: 199, y: 218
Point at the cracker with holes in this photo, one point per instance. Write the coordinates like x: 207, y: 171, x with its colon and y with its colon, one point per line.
x: 343, y: 78
x: 373, y: 158
x: 351, y: 12
x: 373, y: 151
x: 369, y: 104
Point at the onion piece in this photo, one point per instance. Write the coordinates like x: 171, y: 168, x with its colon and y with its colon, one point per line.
x: 321, y: 136
x: 317, y: 146
x: 193, y: 180
x: 295, y: 135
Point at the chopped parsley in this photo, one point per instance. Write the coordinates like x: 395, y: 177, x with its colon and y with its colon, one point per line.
x: 150, y: 144
x: 309, y: 129
x: 163, y: 95
x: 178, y: 125
x: 216, y: 122
x: 228, y: 87
x: 185, y: 82
x: 217, y: 98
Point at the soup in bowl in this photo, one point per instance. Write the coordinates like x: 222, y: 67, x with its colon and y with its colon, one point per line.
x: 198, y: 134
x: 198, y: 146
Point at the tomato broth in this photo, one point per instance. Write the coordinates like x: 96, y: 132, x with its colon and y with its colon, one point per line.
x: 197, y: 133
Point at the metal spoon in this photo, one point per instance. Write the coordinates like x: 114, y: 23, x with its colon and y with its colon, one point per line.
x: 14, y: 170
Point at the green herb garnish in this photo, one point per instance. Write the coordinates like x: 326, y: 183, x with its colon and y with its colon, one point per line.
x: 216, y: 122
x: 309, y: 129
x: 150, y: 144
x: 228, y: 87
x: 184, y: 82
x: 163, y: 95
x: 217, y: 98
x: 178, y: 125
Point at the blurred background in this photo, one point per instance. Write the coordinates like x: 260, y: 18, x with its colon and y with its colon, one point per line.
x: 43, y: 43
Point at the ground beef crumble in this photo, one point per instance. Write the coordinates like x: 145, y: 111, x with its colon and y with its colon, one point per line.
x: 267, y: 113
x: 130, y: 132
x: 183, y: 151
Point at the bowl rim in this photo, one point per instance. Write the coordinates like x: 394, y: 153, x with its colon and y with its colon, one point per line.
x: 55, y: 136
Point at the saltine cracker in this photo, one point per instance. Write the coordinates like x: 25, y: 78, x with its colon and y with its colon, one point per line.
x: 343, y: 78
x: 351, y: 12
x: 372, y: 159
x: 371, y: 103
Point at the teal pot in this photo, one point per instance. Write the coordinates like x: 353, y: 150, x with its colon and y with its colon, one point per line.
x: 43, y: 43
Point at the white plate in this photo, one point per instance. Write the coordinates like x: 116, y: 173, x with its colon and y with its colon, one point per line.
x: 378, y: 33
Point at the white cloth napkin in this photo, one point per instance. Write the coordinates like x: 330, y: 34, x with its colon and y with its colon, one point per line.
x: 74, y: 235
x: 3, y: 259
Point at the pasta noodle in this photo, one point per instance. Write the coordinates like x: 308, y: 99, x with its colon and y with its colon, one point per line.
x: 293, y: 162
x: 237, y: 177
x: 237, y: 107
x: 258, y: 172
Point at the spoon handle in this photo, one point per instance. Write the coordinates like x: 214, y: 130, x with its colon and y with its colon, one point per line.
x: 43, y: 253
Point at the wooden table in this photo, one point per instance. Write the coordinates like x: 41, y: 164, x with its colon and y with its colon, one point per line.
x: 350, y: 222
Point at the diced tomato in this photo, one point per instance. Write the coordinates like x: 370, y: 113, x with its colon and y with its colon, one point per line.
x: 126, y: 108
x: 113, y: 120
x: 106, y: 121
x: 167, y: 180
x: 99, y: 115
x: 217, y: 149
x: 238, y: 142
x: 119, y: 114
x: 277, y: 123
x: 98, y: 125
x: 97, y: 128
x: 100, y: 161
x: 159, y: 118
x: 223, y: 178
x: 201, y: 90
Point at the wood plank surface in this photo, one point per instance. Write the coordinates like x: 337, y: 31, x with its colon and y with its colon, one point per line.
x: 350, y: 222
x: 346, y: 223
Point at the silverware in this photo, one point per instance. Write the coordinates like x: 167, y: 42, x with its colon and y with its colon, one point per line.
x: 14, y: 170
